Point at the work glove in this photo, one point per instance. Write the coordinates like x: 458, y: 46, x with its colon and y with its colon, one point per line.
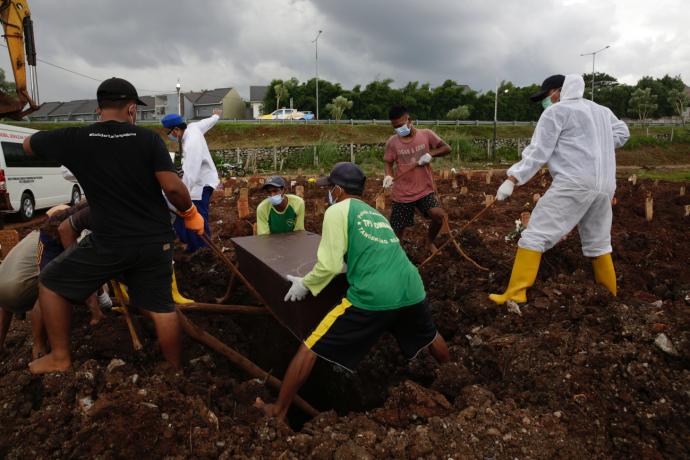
x: 425, y: 159
x: 297, y: 291
x: 104, y: 301
x: 193, y: 220
x: 505, y: 190
x: 387, y: 181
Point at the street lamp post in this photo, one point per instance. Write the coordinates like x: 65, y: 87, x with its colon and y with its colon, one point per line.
x: 316, y: 49
x: 179, y: 99
x: 493, y: 146
x: 594, y: 55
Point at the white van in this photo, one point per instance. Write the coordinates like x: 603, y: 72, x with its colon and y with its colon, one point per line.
x: 28, y: 183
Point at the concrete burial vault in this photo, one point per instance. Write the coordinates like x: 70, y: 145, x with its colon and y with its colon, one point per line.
x: 266, y: 261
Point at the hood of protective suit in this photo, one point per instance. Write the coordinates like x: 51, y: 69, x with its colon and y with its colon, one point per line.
x: 573, y: 87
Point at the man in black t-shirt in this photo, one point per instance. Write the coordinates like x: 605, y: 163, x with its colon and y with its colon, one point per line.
x: 122, y: 169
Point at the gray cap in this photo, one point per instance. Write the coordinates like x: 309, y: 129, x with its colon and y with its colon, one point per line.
x: 275, y: 181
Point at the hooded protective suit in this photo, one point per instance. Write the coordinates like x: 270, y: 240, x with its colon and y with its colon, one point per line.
x: 576, y: 139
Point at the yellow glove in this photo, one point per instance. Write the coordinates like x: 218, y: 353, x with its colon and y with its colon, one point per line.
x: 193, y: 220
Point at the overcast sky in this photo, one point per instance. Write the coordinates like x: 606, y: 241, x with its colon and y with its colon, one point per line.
x: 209, y: 44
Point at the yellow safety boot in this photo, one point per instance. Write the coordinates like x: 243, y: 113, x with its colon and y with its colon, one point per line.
x: 604, y: 273
x: 524, y: 274
x: 178, y: 298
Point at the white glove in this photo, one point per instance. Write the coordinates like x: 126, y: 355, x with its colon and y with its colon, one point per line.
x: 104, y: 301
x: 387, y: 181
x: 505, y: 190
x: 297, y: 291
x: 425, y: 159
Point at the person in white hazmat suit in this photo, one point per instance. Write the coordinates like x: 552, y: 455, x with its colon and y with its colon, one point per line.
x: 576, y: 139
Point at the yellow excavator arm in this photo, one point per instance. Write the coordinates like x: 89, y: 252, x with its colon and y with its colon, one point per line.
x: 19, y: 35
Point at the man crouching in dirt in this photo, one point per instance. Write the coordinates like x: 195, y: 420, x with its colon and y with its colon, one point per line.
x: 386, y: 292
x: 122, y: 169
x: 19, y: 271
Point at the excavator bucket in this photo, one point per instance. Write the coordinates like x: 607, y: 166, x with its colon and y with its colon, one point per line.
x: 11, y: 107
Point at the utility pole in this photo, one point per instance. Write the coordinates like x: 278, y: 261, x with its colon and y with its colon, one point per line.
x: 493, y: 146
x: 316, y: 48
x: 594, y: 55
x: 178, y: 86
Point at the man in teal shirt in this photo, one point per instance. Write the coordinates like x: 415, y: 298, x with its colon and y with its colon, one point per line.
x: 280, y: 212
x: 386, y: 292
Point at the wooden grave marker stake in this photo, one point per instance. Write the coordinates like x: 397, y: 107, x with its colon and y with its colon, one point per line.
x: 682, y: 190
x: 243, y: 203
x: 649, y: 208
x: 381, y: 202
x: 299, y: 191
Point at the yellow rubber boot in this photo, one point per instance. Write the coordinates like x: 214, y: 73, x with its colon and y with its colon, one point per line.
x: 524, y: 274
x: 178, y: 298
x: 604, y: 273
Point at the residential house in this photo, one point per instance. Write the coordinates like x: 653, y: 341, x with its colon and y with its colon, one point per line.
x: 86, y: 111
x: 226, y: 99
x: 146, y: 112
x: 167, y: 103
x: 256, y: 100
x: 44, y: 111
x: 64, y: 111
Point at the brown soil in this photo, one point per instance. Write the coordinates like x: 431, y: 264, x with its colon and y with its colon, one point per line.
x: 576, y: 375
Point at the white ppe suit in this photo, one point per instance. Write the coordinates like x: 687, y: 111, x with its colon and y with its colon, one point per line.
x: 576, y: 139
x: 198, y: 168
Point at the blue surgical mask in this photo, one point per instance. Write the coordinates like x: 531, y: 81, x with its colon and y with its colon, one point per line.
x: 403, y: 130
x: 546, y: 102
x: 275, y: 199
x: 172, y: 138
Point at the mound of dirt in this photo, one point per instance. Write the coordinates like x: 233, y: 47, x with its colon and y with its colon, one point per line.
x: 576, y: 374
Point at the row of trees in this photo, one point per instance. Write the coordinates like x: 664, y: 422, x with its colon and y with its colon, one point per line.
x: 649, y: 98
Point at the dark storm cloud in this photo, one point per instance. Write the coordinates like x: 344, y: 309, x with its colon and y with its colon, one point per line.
x: 239, y: 43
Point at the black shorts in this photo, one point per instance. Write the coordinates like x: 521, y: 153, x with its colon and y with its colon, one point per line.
x: 402, y: 214
x: 82, y: 269
x: 347, y: 333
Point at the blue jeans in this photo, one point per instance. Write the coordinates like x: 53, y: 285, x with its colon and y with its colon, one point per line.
x: 190, y: 238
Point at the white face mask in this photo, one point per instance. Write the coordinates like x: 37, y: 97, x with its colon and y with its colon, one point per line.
x: 172, y: 138
x: 275, y: 199
x: 331, y: 199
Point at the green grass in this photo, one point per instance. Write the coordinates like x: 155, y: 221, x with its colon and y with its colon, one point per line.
x: 671, y: 176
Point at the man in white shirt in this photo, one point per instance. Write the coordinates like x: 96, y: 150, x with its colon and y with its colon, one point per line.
x: 199, y: 171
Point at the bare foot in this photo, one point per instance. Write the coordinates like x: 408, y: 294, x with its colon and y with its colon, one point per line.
x: 49, y: 363
x: 271, y: 410
x: 37, y: 350
x: 96, y: 317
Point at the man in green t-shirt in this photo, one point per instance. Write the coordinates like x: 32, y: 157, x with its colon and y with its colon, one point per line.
x: 386, y: 292
x: 280, y: 212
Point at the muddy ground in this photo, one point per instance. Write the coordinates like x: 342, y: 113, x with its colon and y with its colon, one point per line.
x: 577, y: 374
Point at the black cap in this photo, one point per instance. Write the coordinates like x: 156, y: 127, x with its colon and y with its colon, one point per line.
x: 275, y: 181
x: 553, y: 82
x: 117, y: 89
x: 347, y: 175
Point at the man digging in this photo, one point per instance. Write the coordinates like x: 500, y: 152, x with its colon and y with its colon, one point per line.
x: 355, y: 232
x: 411, y: 151
x: 122, y: 169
